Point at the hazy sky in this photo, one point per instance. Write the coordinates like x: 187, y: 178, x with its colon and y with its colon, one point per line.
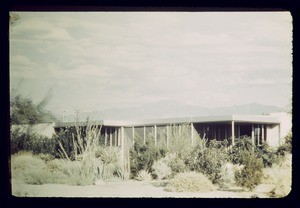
x: 99, y: 60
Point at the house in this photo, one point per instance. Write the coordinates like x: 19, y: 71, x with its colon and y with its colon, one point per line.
x: 270, y: 128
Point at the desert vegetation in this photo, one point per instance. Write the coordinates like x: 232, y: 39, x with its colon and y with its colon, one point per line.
x: 76, y: 156
x: 205, y: 166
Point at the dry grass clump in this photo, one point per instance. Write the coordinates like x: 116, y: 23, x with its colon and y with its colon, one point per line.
x: 280, y: 176
x: 161, y: 168
x: 144, y: 175
x: 190, y: 182
x: 29, y: 169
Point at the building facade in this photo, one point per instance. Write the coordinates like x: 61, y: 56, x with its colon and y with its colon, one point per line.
x: 260, y: 128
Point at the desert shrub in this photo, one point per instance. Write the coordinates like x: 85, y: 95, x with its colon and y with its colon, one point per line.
x: 144, y: 175
x: 209, y: 160
x: 161, y: 168
x: 286, y: 147
x: 228, y: 174
x: 82, y: 169
x: 190, y: 182
x: 180, y: 142
x: 267, y: 154
x: 177, y: 164
x: 25, y: 139
x: 108, y: 154
x: 280, y: 176
x: 238, y: 153
x: 45, y: 157
x: 252, y: 172
x: 93, y: 161
x: 142, y: 156
x: 29, y: 169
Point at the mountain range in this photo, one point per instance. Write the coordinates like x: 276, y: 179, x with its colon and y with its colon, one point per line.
x: 171, y: 109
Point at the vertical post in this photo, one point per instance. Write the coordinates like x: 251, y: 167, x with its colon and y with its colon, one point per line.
x: 155, y: 135
x: 133, y: 134
x: 116, y: 136
x: 232, y: 132
x: 263, y: 133
x: 192, y: 133
x: 258, y: 136
x: 122, y: 146
x: 110, y: 137
x: 144, y: 135
x: 119, y: 137
x: 215, y: 132
x: 239, y: 130
x: 252, y: 136
x: 226, y: 137
x: 167, y: 136
x: 105, y: 136
x: 179, y: 129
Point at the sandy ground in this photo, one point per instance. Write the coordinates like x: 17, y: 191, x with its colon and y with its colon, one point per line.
x: 128, y: 189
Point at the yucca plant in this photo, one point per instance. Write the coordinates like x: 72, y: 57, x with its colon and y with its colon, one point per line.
x: 144, y: 175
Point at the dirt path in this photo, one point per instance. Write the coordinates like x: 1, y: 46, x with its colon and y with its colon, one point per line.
x: 117, y: 189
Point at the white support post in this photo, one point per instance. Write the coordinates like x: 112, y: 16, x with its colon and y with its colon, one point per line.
x: 263, y: 133
x: 179, y: 129
x: 119, y: 137
x: 116, y: 137
x: 110, y: 137
x: 133, y: 134
x: 192, y: 133
x: 122, y: 146
x: 155, y: 135
x: 232, y: 132
x: 105, y: 136
x: 258, y: 136
x: 144, y: 135
x: 167, y: 136
x: 252, y: 136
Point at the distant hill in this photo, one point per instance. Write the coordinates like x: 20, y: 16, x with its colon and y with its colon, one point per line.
x: 170, y: 108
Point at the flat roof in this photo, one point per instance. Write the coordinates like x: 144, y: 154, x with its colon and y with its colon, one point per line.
x: 259, y: 119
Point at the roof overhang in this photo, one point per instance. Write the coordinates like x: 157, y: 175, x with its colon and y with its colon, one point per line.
x: 259, y: 119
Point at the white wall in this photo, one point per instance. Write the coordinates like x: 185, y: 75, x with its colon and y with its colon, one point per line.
x: 285, y: 123
x: 272, y: 135
x: 285, y: 126
x: 44, y: 129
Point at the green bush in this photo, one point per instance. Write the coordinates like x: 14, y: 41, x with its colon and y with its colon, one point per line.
x: 209, y: 160
x: 142, y: 157
x: 177, y: 164
x: 285, y: 148
x: 238, y: 153
x: 252, y: 172
x: 267, y: 154
x: 28, y: 140
x: 190, y: 182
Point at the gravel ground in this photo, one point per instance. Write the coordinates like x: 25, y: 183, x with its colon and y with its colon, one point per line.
x: 128, y: 189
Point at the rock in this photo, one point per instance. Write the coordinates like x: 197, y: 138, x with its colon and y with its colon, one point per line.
x: 264, y: 188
